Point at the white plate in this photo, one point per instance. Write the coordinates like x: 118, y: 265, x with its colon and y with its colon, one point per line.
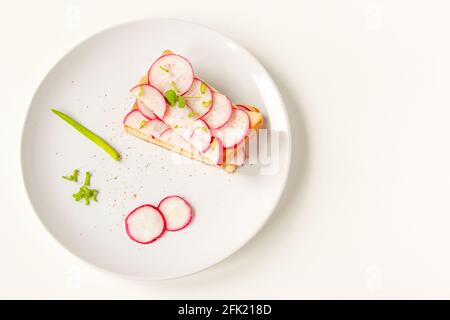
x: 91, y: 83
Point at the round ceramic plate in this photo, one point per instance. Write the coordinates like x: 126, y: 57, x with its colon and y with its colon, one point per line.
x: 91, y: 84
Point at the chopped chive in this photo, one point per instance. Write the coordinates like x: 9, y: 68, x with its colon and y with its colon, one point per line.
x: 87, y: 179
x: 192, y: 114
x: 173, y: 85
x: 176, y: 126
x: 75, y: 175
x: 164, y: 69
x: 181, y: 102
x: 203, y: 88
x: 204, y: 129
x: 192, y: 97
x: 207, y: 104
x: 171, y: 96
x: 70, y: 178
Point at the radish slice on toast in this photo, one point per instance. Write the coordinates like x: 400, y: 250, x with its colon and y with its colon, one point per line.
x: 199, y: 98
x: 171, y: 71
x: 235, y: 130
x: 179, y: 119
x: 220, y: 112
x: 152, y: 100
x: 145, y: 224
x: 171, y: 137
x: 176, y: 211
x: 237, y: 157
x: 135, y: 119
x: 214, y: 153
x: 154, y: 128
x: 201, y: 138
x: 146, y: 111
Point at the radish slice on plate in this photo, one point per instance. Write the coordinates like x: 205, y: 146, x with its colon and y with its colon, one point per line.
x: 235, y: 130
x: 145, y: 224
x: 152, y: 100
x: 199, y: 98
x: 220, y: 112
x: 177, y: 212
x: 154, y: 128
x: 171, y: 71
x: 135, y: 119
x: 214, y: 153
x: 180, y: 119
x: 146, y: 112
x: 201, y: 138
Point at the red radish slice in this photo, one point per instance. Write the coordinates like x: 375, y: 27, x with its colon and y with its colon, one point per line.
x: 171, y: 71
x: 201, y: 138
x: 154, y: 128
x: 220, y: 112
x: 199, y: 98
x: 146, y: 112
x: 215, y: 152
x: 171, y: 137
x: 242, y: 107
x: 151, y: 98
x: 237, y: 157
x: 179, y: 119
x: 177, y: 212
x: 145, y: 224
x: 235, y: 130
x: 135, y: 119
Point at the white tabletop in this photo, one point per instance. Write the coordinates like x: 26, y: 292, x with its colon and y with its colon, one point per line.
x: 366, y: 213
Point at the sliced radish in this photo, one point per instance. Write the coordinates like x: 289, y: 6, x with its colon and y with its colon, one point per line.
x: 177, y: 212
x: 201, y: 138
x: 135, y: 119
x: 235, y: 130
x: 180, y: 119
x: 171, y: 137
x: 215, y: 152
x: 152, y: 100
x: 154, y: 128
x: 171, y: 71
x: 145, y: 224
x: 237, y: 157
x: 242, y: 107
x: 220, y: 112
x: 146, y: 111
x: 199, y: 98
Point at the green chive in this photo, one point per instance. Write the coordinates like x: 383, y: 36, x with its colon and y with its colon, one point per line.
x: 87, y: 179
x: 164, y: 69
x: 192, y: 114
x: 173, y: 85
x: 181, y: 102
x: 203, y: 88
x: 143, y: 123
x: 89, y: 134
x: 75, y: 175
x: 141, y: 91
x: 207, y: 104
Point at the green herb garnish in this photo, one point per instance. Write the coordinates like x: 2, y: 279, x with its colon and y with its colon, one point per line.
x: 192, y: 114
x: 173, y: 85
x: 207, y: 104
x: 181, y: 102
x: 204, y: 129
x: 203, y: 88
x: 73, y: 176
x: 86, y: 194
x: 89, y: 134
x: 164, y: 69
x: 171, y: 96
x: 141, y: 91
x: 87, y: 179
x: 176, y: 126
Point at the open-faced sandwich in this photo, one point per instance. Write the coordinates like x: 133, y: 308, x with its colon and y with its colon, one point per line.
x: 179, y: 111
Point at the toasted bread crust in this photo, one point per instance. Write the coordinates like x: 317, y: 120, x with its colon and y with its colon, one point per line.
x: 256, y: 122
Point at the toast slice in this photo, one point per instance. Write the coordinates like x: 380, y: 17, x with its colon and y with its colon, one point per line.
x: 256, y: 122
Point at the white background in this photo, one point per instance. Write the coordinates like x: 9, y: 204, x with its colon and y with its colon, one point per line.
x: 366, y: 213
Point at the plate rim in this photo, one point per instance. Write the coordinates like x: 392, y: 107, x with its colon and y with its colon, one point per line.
x: 251, y: 235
